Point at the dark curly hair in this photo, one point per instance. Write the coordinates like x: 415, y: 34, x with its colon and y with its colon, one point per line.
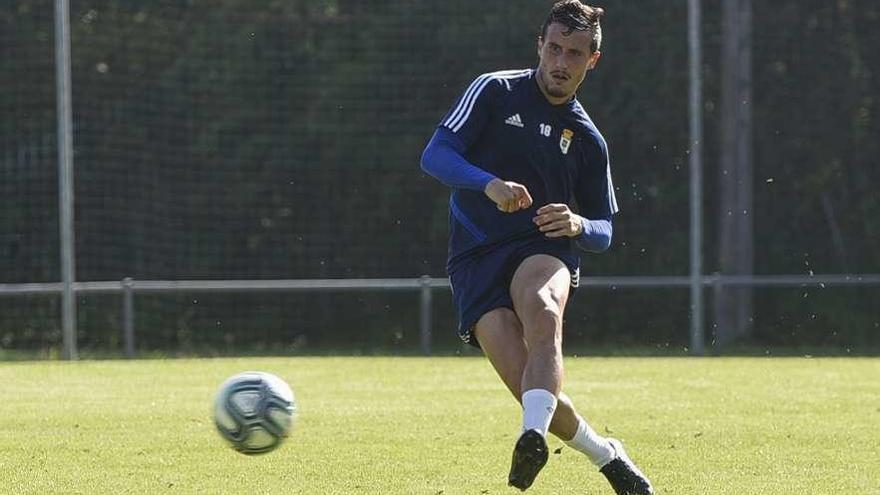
x: 577, y: 16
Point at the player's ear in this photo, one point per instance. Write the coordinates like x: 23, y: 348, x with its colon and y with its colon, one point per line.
x: 594, y: 59
x: 540, y: 45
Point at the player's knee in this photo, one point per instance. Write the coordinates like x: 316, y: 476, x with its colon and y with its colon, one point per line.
x: 528, y: 302
x: 543, y: 328
x: 544, y: 309
x: 551, y: 300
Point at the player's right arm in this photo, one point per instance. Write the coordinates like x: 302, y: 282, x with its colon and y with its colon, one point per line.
x: 444, y: 160
x: 444, y: 157
x: 508, y: 196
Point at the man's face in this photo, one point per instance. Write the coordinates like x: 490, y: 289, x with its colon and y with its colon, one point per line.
x: 565, y: 59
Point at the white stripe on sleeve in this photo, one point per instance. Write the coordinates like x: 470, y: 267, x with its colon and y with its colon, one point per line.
x: 463, y: 102
x: 458, y: 118
x: 611, y: 196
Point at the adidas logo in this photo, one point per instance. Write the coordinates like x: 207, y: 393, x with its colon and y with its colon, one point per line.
x: 514, y: 120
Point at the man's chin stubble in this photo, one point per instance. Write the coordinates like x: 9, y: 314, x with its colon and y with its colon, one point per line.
x: 556, y: 93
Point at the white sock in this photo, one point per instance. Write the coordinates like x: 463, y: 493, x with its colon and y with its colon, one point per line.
x: 596, y: 447
x: 538, y: 408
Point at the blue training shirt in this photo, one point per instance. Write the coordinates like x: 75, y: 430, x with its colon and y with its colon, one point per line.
x: 504, y: 127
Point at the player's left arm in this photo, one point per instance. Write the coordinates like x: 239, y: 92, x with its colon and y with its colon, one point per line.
x: 557, y: 220
x: 594, y: 193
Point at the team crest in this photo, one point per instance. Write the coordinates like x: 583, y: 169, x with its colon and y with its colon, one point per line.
x: 565, y: 140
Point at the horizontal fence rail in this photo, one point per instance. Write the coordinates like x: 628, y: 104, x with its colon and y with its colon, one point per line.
x: 107, y: 287
x: 425, y: 284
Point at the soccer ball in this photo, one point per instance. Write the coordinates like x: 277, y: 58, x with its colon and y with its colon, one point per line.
x: 254, y: 411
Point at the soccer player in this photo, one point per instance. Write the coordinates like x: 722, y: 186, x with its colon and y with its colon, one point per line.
x: 515, y: 149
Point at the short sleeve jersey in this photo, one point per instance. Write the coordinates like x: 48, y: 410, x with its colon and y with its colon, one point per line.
x: 509, y: 129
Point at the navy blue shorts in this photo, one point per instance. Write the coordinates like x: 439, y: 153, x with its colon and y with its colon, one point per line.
x: 481, y: 281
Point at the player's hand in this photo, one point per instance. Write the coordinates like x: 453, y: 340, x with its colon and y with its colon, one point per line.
x: 508, y: 196
x: 557, y: 220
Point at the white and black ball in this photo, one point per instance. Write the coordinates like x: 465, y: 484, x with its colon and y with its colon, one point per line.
x: 255, y: 411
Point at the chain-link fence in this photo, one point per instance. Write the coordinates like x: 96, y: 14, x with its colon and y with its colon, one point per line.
x: 254, y: 140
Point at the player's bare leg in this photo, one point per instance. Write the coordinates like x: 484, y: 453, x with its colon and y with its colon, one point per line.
x: 500, y: 333
x: 539, y: 290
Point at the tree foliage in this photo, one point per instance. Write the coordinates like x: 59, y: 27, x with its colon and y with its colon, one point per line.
x: 281, y: 139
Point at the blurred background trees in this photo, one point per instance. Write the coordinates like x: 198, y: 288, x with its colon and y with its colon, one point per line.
x: 281, y: 139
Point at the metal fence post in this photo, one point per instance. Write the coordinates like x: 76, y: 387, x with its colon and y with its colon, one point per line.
x: 717, y: 295
x: 696, y: 178
x: 65, y: 178
x: 128, y: 316
x: 425, y: 315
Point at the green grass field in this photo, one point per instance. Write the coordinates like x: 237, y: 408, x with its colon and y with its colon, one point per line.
x: 441, y: 426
